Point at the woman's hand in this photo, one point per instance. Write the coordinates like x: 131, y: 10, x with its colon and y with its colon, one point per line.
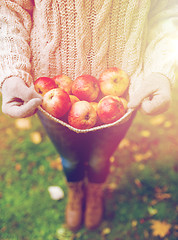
x: 18, y: 100
x: 153, y: 96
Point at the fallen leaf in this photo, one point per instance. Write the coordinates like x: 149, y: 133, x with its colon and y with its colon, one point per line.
x: 157, y: 120
x: 18, y: 167
x: 64, y: 234
x: 162, y: 196
x: 138, y: 157
x: 106, y: 231
x: 159, y: 228
x: 124, y: 143
x: 23, y: 123
x: 112, y: 186
x: 36, y: 137
x: 167, y: 124
x: 145, y: 133
x: 152, y: 211
x: 56, y: 164
x: 142, y: 220
x: 154, y: 202
x: 112, y: 159
x: 142, y: 156
x: 161, y: 190
x: 138, y: 183
x: 134, y: 223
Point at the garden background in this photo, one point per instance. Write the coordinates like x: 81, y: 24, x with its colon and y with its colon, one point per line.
x: 140, y: 195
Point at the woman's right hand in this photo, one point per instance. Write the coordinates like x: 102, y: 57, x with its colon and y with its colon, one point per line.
x: 19, y: 100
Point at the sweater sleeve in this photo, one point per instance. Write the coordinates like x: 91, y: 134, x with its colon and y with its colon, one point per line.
x: 162, y: 39
x: 15, y: 27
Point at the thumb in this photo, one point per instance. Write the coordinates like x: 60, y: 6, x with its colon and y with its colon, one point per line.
x: 31, y: 93
x: 25, y: 110
x: 143, y: 92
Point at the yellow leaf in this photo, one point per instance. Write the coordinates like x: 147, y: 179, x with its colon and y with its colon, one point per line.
x: 134, y: 223
x: 112, y: 186
x: 106, y: 231
x: 56, y: 164
x: 36, y: 137
x: 112, y: 159
x: 124, y: 143
x: 148, y: 154
x: 23, y: 123
x: 159, y: 228
x: 138, y: 157
x: 142, y: 156
x: 167, y: 124
x: 157, y: 120
x: 145, y: 133
x: 152, y: 211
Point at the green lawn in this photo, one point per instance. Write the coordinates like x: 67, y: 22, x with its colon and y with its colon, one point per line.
x: 140, y: 196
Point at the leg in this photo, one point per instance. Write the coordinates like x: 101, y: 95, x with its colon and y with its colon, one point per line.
x: 104, y: 143
x: 69, y: 146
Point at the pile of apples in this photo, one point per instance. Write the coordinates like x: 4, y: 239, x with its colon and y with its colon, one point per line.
x: 85, y: 102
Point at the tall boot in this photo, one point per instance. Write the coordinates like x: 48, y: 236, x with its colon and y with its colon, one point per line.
x: 74, y: 208
x: 94, y: 205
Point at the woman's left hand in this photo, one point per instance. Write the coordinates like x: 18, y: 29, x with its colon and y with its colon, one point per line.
x: 153, y: 96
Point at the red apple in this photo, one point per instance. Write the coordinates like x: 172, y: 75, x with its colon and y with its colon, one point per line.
x: 82, y: 115
x: 110, y: 109
x: 114, y: 81
x: 56, y: 102
x: 86, y: 88
x: 64, y: 82
x: 44, y: 84
x: 73, y: 99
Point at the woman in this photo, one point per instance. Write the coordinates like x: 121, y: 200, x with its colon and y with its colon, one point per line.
x: 75, y: 37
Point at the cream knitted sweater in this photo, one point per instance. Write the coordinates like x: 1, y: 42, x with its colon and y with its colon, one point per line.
x: 75, y: 37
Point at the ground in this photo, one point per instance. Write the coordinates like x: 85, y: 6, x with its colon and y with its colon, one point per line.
x: 140, y: 195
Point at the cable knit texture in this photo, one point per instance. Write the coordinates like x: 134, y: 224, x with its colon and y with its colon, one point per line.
x: 75, y: 37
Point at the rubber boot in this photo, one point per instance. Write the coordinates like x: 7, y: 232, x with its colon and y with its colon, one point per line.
x: 74, y: 208
x: 94, y: 205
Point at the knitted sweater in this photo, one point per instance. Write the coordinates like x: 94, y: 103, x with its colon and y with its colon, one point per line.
x: 75, y: 37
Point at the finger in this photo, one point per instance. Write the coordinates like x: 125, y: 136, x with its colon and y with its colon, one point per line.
x: 141, y: 94
x: 157, y: 105
x: 31, y: 93
x: 25, y: 110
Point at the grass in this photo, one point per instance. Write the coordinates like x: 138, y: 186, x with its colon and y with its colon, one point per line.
x: 142, y: 186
